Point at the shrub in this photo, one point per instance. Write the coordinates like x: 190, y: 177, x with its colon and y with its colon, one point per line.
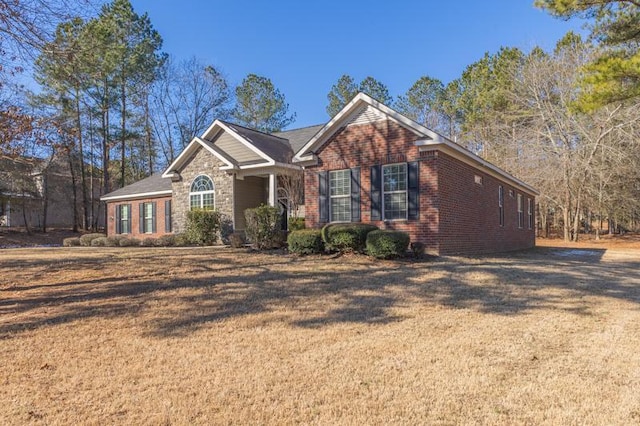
x: 346, y: 237
x: 180, y: 240
x: 305, y: 241
x: 86, y: 239
x: 71, y: 242
x: 236, y: 239
x: 202, y: 227
x: 167, y: 240
x: 149, y: 242
x: 296, y: 223
x: 386, y: 244
x: 113, y: 241
x: 99, y: 242
x: 418, y: 249
x: 263, y: 227
x: 129, y: 242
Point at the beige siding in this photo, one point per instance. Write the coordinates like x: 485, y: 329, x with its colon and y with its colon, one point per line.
x: 250, y: 192
x: 235, y: 149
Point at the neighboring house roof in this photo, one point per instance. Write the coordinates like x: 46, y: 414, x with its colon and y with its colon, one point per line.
x: 299, y: 137
x: 153, y: 186
x: 364, y: 108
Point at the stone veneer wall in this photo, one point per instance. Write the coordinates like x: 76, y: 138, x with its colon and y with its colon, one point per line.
x: 202, y: 163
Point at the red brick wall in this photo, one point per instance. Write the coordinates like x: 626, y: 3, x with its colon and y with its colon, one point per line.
x: 135, y: 217
x: 456, y: 214
x: 469, y: 212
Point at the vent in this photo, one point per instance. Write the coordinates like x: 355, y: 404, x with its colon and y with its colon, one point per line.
x: 367, y: 114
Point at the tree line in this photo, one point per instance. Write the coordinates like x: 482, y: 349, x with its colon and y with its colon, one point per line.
x: 117, y: 108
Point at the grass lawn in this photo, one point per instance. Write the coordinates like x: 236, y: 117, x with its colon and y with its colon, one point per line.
x: 221, y: 336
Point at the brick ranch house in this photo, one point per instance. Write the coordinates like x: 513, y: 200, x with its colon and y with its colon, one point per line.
x: 369, y: 164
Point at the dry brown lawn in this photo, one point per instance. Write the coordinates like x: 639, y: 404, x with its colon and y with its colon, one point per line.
x: 211, y: 336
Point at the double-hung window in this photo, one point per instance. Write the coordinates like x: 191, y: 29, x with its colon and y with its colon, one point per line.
x: 530, y: 212
x: 123, y: 218
x: 520, y: 211
x: 340, y: 195
x: 394, y: 191
x: 147, y: 218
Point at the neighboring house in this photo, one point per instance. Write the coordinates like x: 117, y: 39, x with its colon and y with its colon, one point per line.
x: 369, y: 164
x: 31, y: 186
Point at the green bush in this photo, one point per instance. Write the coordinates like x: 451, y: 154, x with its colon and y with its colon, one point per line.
x: 128, y: 242
x: 386, y: 244
x: 203, y: 227
x: 181, y: 240
x: 167, y: 240
x: 86, y: 239
x: 263, y: 227
x: 113, y: 241
x: 296, y: 223
x: 346, y: 237
x: 305, y: 241
x: 149, y: 242
x: 99, y: 242
x: 71, y: 242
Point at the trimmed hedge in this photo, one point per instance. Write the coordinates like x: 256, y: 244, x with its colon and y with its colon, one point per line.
x: 386, y: 244
x: 71, y: 242
x: 346, y: 237
x: 86, y: 239
x: 305, y: 241
x: 296, y: 223
x: 129, y: 242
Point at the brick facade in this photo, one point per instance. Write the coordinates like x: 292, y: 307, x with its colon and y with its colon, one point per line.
x: 160, y: 225
x: 456, y: 214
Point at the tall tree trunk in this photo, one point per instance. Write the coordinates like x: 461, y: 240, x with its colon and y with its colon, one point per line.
x: 123, y: 124
x: 576, y: 221
x: 74, y: 192
x: 83, y: 173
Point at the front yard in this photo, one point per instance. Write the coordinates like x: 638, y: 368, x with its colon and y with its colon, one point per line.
x: 222, y: 336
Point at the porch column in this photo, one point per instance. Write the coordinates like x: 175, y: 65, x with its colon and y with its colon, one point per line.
x: 273, y: 189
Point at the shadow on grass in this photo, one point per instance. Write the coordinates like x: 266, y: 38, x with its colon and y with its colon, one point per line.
x: 319, y: 291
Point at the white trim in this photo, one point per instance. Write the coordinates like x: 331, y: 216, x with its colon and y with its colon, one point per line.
x: 201, y: 193
x: 135, y: 196
x: 406, y: 192
x: 305, y: 154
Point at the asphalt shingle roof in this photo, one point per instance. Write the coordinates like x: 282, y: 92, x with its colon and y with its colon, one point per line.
x: 299, y: 137
x: 153, y: 183
x: 274, y: 146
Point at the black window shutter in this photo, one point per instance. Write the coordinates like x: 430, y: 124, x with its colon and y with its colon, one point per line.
x: 167, y: 216
x: 323, y: 197
x: 154, y: 228
x: 141, y: 222
x: 118, y: 219
x: 355, y: 194
x: 413, y: 195
x: 376, y: 192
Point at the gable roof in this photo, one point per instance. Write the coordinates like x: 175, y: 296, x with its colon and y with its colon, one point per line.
x: 363, y: 107
x: 275, y: 147
x: 153, y: 186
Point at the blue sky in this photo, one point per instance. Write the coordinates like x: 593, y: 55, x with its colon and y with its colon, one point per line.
x: 305, y: 46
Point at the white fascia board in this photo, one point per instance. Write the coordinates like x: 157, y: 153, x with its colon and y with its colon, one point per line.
x: 345, y: 114
x: 169, y: 172
x: 472, y: 159
x: 245, y: 142
x: 269, y: 163
x: 135, y: 196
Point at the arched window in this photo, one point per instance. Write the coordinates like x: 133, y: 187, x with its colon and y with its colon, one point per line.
x: 202, y: 193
